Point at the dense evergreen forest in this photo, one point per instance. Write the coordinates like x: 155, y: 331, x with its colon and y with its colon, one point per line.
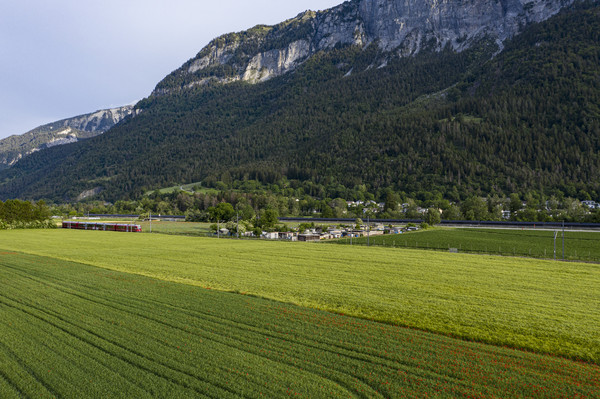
x: 440, y: 124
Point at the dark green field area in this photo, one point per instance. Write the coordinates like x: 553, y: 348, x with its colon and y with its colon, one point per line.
x: 69, y: 330
x: 584, y: 246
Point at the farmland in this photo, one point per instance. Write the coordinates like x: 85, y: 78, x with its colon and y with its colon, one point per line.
x: 194, y: 229
x: 579, y: 246
x: 583, y: 246
x: 73, y: 330
x: 542, y: 306
x: 181, y: 228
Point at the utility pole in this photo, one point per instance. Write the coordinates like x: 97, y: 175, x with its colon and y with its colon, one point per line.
x: 563, y: 239
x: 555, y: 235
x: 368, y: 228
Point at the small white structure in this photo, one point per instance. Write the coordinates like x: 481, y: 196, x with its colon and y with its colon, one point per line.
x: 288, y: 236
x: 335, y: 233
x: 270, y: 236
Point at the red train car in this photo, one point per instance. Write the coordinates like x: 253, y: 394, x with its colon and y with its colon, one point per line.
x: 129, y: 228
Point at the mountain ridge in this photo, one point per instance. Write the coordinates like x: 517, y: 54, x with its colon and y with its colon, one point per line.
x: 442, y: 123
x: 398, y: 28
x: 65, y: 131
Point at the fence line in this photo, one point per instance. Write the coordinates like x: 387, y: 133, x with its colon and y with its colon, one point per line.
x: 545, y: 253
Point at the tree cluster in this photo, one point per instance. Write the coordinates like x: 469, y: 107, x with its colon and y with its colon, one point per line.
x: 15, y: 214
x: 257, y: 206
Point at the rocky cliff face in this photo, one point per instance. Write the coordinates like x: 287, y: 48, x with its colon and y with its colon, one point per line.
x: 397, y: 27
x: 98, y: 122
x: 66, y: 131
x: 406, y: 25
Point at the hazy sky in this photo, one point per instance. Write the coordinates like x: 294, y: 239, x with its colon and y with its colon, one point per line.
x: 63, y: 58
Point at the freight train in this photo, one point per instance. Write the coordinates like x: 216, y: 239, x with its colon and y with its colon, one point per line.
x: 130, y: 228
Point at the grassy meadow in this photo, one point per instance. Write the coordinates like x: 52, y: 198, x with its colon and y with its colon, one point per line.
x: 583, y: 246
x: 543, y: 306
x: 69, y: 330
x: 190, y: 187
x: 181, y: 228
x: 195, y: 229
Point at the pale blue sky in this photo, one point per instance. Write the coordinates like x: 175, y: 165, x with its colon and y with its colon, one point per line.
x: 63, y: 58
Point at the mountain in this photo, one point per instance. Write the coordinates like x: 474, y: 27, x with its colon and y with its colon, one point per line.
x: 66, y: 131
x: 396, y: 27
x: 437, y: 98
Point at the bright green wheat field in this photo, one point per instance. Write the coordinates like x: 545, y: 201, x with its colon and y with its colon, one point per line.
x: 69, y: 330
x: 543, y: 306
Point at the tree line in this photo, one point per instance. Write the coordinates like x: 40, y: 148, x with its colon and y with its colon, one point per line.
x: 259, y: 205
x: 16, y: 214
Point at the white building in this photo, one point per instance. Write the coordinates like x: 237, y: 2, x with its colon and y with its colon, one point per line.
x: 591, y: 204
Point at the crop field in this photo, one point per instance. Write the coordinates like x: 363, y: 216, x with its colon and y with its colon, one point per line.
x: 542, y: 306
x: 194, y: 229
x: 73, y: 330
x: 163, y: 227
x: 181, y: 228
x: 584, y: 246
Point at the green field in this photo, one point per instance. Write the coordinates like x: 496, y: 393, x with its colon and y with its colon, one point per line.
x: 190, y: 188
x: 163, y: 227
x: 69, y: 330
x: 543, y: 306
x: 581, y: 246
x: 584, y: 246
x: 181, y: 228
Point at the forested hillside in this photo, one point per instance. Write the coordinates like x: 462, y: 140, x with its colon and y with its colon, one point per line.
x: 65, y: 131
x: 458, y: 123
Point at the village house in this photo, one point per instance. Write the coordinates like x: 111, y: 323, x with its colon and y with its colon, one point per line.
x: 394, y: 230
x: 309, y: 237
x: 334, y: 233
x: 270, y: 236
x: 352, y: 233
x: 289, y: 236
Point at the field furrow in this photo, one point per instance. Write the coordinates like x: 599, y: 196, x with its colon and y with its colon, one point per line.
x: 72, y: 330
